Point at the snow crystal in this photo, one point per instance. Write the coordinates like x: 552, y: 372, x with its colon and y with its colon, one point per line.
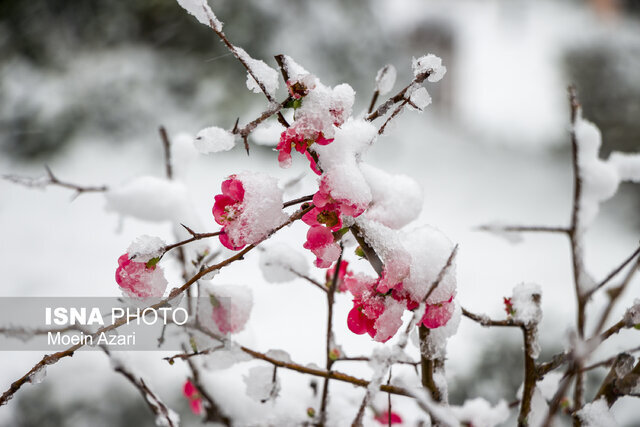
x: 480, y: 413
x: 385, y: 79
x: 600, y: 180
x: 228, y: 307
x: 396, y: 199
x: 278, y: 261
x: 419, y: 98
x: 261, y: 209
x: 429, y: 62
x: 203, y: 13
x: 150, y: 198
x: 38, y: 376
x: 261, y: 385
x: 632, y: 315
x: 264, y: 73
x: 627, y: 165
x: 144, y: 248
x: 596, y: 414
x: 213, y: 140
x: 526, y: 303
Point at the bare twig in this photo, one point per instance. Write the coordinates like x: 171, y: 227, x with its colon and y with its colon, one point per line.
x: 52, y: 180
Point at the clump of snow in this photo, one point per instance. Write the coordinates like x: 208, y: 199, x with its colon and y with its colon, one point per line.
x: 385, y: 79
x: 419, y: 99
x: 396, y: 200
x: 600, y: 180
x: 145, y: 247
x: 627, y: 165
x: 596, y: 414
x: 261, y: 209
x: 279, y: 355
x: 225, y: 357
x: 228, y: 307
x: 261, y: 384
x: 280, y: 263
x: 539, y: 409
x: 264, y: 73
x: 632, y: 315
x: 429, y: 62
x: 340, y: 161
x: 150, y: 199
x: 297, y: 73
x: 430, y: 249
x: 171, y: 418
x: 213, y: 140
x: 549, y: 384
x: 526, y: 303
x: 479, y: 413
x: 390, y: 320
x: 203, y: 13
x: 267, y: 133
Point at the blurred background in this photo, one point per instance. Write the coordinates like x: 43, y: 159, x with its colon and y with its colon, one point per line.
x: 84, y: 87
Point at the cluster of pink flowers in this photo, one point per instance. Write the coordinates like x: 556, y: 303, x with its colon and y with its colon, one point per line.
x: 140, y: 279
x: 295, y: 138
x: 369, y: 306
x: 195, y: 400
x: 325, y: 219
x: 227, y: 207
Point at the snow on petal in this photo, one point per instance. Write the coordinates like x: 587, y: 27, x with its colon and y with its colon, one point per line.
x: 228, y: 307
x: 202, y: 12
x: 213, y: 140
x: 144, y: 248
x: 280, y: 263
x: 137, y: 280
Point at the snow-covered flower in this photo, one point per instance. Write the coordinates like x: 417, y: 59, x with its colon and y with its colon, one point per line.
x: 140, y: 279
x: 249, y: 208
x: 385, y: 417
x: 321, y: 242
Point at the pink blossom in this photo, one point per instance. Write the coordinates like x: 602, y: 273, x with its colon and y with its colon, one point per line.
x: 300, y: 137
x: 327, y: 216
x: 195, y: 400
x: 323, y: 198
x: 342, y: 273
x: 321, y: 242
x: 439, y: 314
x: 228, y: 204
x: 383, y: 418
x: 140, y: 279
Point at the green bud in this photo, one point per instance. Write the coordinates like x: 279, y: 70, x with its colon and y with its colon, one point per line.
x: 359, y: 252
x: 311, y: 412
x: 152, y: 262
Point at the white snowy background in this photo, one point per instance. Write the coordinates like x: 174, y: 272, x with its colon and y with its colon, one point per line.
x: 498, y: 151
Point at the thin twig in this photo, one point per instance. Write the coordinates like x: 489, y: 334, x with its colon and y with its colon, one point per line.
x: 52, y: 180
